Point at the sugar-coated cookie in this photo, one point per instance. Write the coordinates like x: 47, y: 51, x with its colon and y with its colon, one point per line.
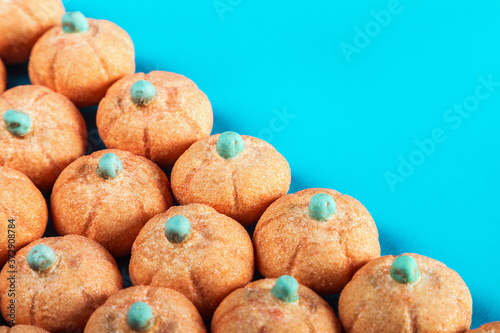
x: 23, y: 213
x: 488, y: 328
x: 193, y: 249
x: 22, y: 23
x: 156, y: 115
x: 57, y: 283
x: 274, y: 306
x: 408, y: 293
x: 41, y: 133
x: 318, y: 236
x: 3, y: 77
x: 81, y: 58
x: 239, y: 176
x: 146, y: 309
x: 22, y: 329
x: 109, y: 196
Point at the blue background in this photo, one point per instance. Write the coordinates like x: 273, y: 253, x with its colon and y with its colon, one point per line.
x: 276, y: 69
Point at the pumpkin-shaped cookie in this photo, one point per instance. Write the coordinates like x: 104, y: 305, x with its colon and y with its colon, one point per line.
x: 193, y: 249
x: 82, y: 58
x: 3, y: 77
x: 23, y: 213
x: 318, y: 236
x: 41, y: 133
x: 109, y: 196
x: 156, y: 115
x: 274, y: 306
x: 146, y: 309
x: 488, y: 328
x: 57, y: 283
x: 239, y: 176
x: 22, y: 329
x: 22, y: 23
x: 408, y: 293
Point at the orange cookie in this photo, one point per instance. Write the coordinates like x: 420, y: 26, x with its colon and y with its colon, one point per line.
x: 195, y: 250
x: 408, y: 293
x: 82, y: 58
x: 57, y: 283
x: 22, y: 23
x: 23, y: 213
x: 3, y: 77
x: 274, y: 306
x: 156, y: 115
x: 488, y: 328
x: 109, y: 196
x: 239, y: 176
x: 318, y: 236
x: 146, y: 309
x: 22, y: 329
x: 41, y: 133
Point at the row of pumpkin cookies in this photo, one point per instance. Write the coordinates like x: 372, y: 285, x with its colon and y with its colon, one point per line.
x: 208, y: 257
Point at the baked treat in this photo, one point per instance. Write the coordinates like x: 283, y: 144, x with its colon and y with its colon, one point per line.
x: 23, y: 213
x: 147, y: 309
x: 109, y: 196
x: 239, y: 176
x: 22, y: 23
x: 82, y: 58
x: 3, y: 77
x: 156, y: 115
x: 57, y: 283
x: 274, y: 306
x: 488, y: 328
x: 318, y: 236
x: 22, y: 329
x: 408, y: 293
x: 196, y: 251
x: 41, y: 133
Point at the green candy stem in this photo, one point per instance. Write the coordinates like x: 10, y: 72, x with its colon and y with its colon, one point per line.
x: 41, y: 257
x: 17, y: 123
x: 74, y: 22
x: 322, y: 206
x: 177, y: 228
x: 140, y: 316
x: 229, y: 145
x: 109, y: 166
x: 142, y: 92
x: 286, y: 289
x: 405, y: 270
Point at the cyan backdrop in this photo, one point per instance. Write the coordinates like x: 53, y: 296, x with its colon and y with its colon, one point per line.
x: 396, y: 103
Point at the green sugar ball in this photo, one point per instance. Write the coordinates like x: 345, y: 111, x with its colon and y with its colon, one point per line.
x: 41, y: 257
x: 140, y: 316
x: 109, y: 166
x: 74, y: 22
x: 286, y: 289
x: 405, y: 269
x: 142, y: 92
x: 177, y: 228
x: 17, y: 123
x: 322, y: 206
x: 229, y: 145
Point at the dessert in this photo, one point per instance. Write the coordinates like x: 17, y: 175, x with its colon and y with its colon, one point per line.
x: 109, y: 196
x: 193, y: 249
x: 239, y: 176
x: 82, y: 58
x: 488, y: 328
x: 156, y: 115
x: 41, y: 133
x: 318, y: 236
